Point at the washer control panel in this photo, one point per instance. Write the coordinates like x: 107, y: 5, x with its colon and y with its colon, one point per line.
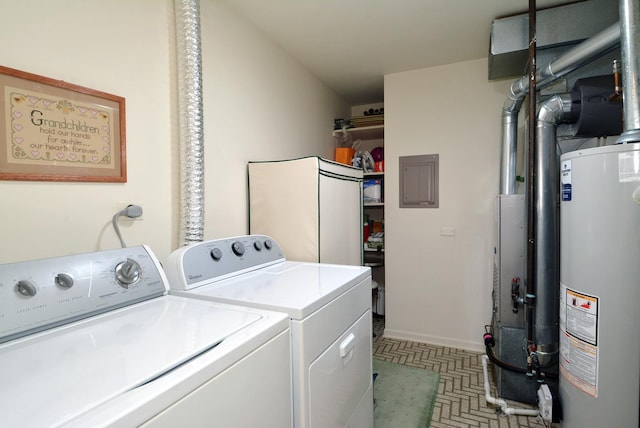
x: 210, y: 261
x: 40, y: 294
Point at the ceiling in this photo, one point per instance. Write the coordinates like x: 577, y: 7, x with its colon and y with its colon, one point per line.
x: 351, y: 44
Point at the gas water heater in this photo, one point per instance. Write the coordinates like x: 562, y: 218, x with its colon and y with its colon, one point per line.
x: 600, y: 287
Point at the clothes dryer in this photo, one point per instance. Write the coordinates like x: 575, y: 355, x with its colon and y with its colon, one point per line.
x: 329, y: 307
x: 95, y: 340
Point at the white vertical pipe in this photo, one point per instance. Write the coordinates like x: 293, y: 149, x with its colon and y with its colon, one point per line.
x: 504, y: 406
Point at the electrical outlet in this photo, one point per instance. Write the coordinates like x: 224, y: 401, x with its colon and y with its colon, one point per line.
x: 447, y: 231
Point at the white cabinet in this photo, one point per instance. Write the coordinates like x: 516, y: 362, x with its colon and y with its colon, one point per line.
x: 310, y: 206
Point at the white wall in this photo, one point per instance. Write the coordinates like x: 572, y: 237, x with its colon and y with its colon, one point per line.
x: 437, y: 287
x: 120, y: 47
x: 258, y: 104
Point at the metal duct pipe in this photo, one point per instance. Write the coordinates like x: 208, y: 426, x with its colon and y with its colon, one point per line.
x: 630, y: 43
x: 582, y: 54
x: 187, y: 17
x: 508, y: 155
x: 547, y: 226
x: 510, y: 110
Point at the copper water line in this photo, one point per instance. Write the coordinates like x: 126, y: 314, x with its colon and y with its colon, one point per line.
x: 617, y: 80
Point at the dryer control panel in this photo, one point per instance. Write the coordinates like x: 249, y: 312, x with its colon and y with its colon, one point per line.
x: 211, y: 261
x: 40, y: 294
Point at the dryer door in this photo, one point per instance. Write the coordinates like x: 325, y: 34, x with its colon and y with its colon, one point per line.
x: 341, y: 377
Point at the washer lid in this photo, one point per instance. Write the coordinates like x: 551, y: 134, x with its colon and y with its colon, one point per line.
x: 54, y: 376
x: 296, y: 288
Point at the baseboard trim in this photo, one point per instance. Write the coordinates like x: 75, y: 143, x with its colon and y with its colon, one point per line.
x: 434, y: 340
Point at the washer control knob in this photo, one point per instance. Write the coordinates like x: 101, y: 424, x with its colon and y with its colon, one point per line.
x: 257, y: 245
x: 26, y: 288
x: 64, y: 280
x: 238, y: 248
x: 268, y: 244
x: 216, y: 254
x: 128, y: 273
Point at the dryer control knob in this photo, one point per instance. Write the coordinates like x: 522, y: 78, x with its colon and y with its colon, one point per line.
x: 268, y: 244
x: 128, y: 273
x: 64, y: 280
x: 216, y: 254
x: 238, y: 248
x: 26, y: 288
x: 257, y: 245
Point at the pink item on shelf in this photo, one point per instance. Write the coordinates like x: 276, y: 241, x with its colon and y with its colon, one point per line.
x: 378, y: 154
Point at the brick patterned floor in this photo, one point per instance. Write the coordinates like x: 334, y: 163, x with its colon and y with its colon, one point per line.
x: 461, y: 398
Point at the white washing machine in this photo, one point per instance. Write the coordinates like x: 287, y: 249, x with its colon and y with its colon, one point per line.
x: 330, y: 311
x: 94, y: 340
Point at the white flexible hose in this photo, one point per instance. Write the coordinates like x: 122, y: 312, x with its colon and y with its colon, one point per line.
x: 499, y: 401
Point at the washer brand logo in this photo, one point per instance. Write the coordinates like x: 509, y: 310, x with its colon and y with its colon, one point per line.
x: 192, y: 277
